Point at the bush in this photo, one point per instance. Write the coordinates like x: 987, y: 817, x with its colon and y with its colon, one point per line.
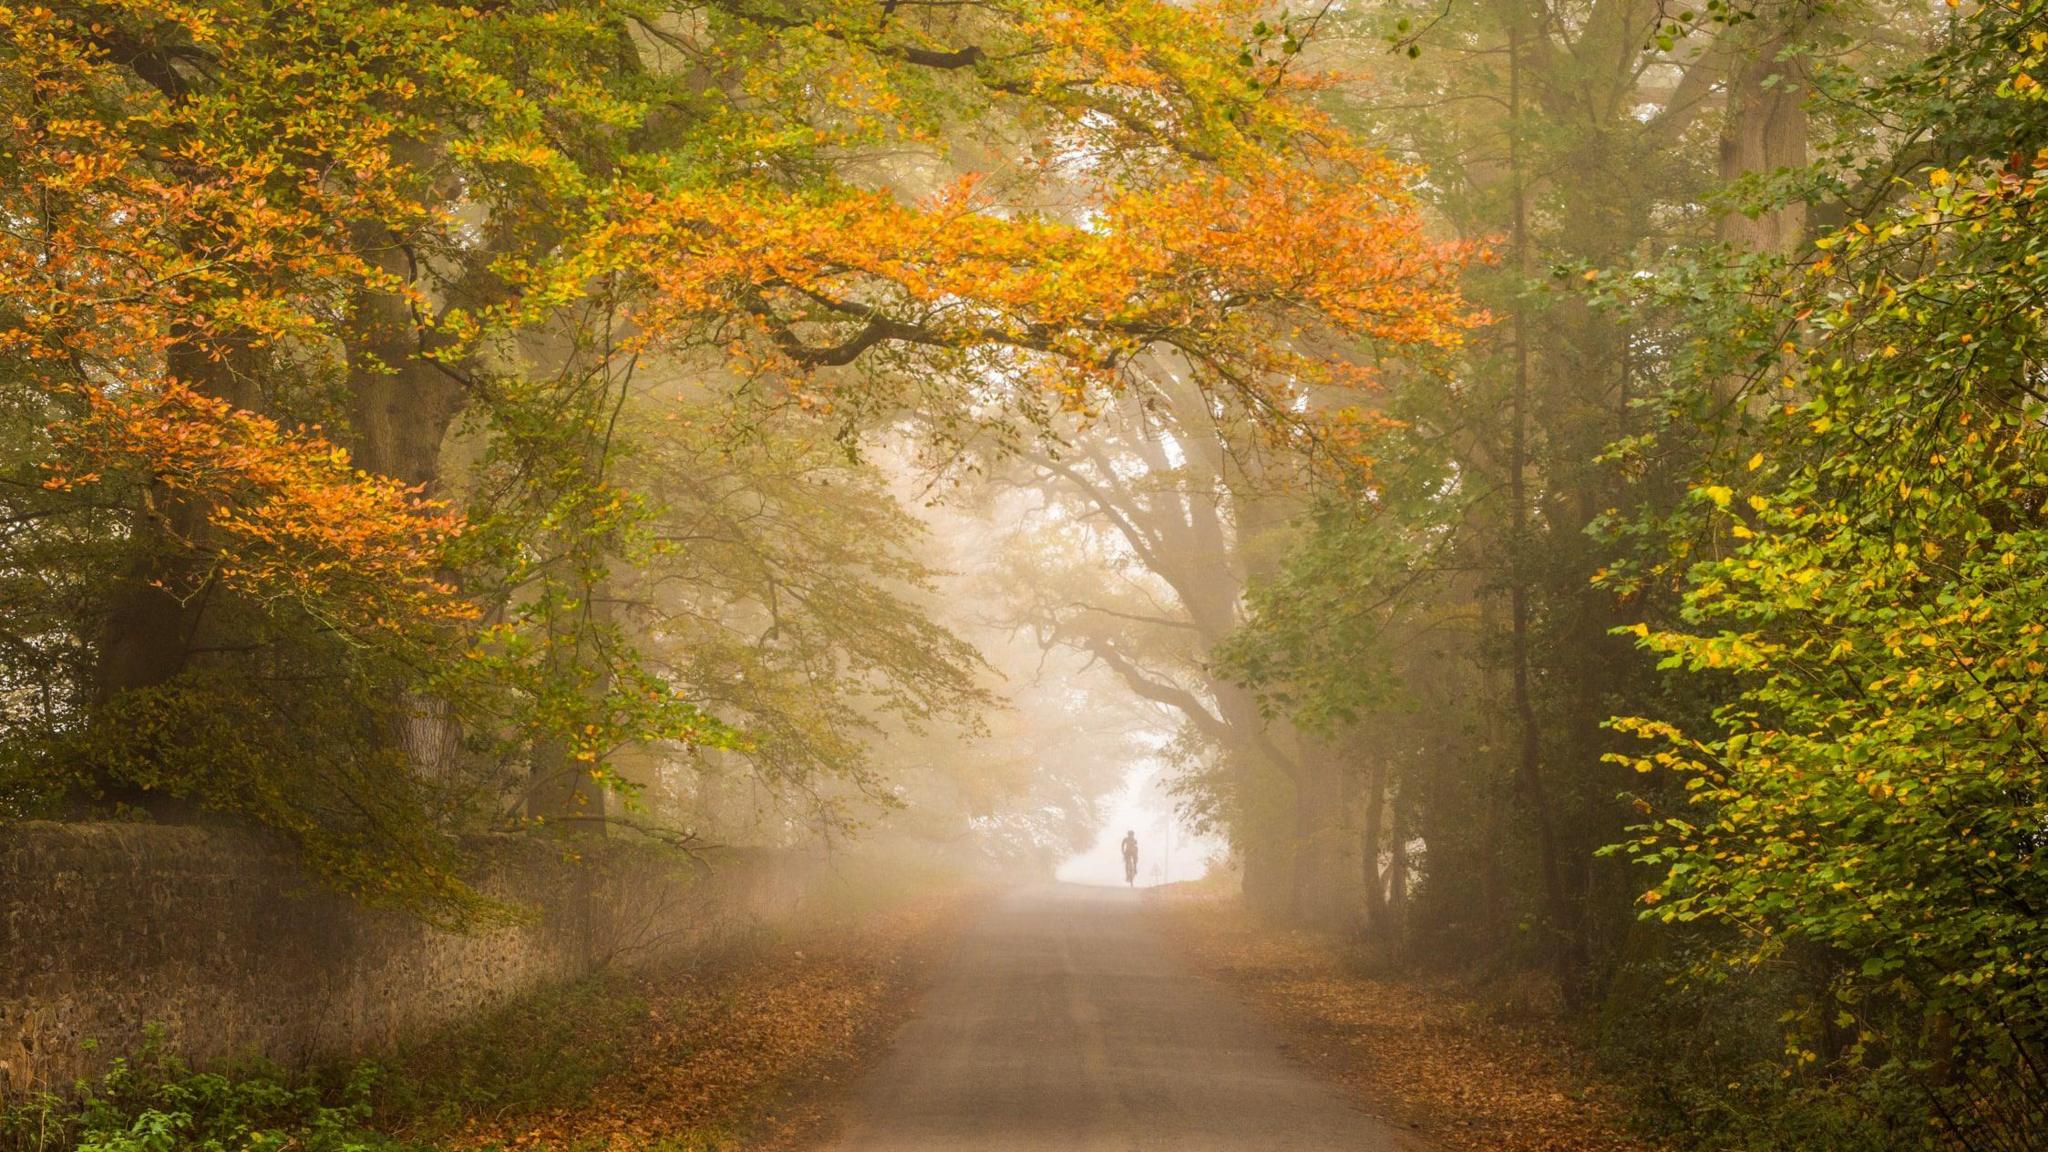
x: 1703, y: 1053
x: 154, y: 1103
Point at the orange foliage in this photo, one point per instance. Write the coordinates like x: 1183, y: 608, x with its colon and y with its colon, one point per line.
x: 171, y: 222
x: 191, y: 182
x: 142, y: 234
x: 287, y: 518
x: 1229, y: 223
x: 1227, y: 270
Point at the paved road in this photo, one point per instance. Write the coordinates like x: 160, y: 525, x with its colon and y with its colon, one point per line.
x: 1064, y: 1023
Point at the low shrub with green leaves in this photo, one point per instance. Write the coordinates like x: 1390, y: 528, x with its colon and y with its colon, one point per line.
x: 153, y: 1102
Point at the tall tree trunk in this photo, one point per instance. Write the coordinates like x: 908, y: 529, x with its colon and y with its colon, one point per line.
x: 1370, y: 847
x: 1566, y: 947
x: 401, y: 403
x: 1264, y: 881
x: 1397, y: 860
x: 401, y: 406
x: 1766, y: 126
x: 1319, y: 872
x: 157, y: 614
x: 153, y: 617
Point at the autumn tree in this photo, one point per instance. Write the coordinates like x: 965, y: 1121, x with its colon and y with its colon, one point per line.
x: 786, y: 584
x: 320, y: 320
x: 1716, y: 401
x: 1871, y: 792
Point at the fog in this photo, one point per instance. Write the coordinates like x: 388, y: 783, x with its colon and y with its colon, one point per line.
x: 1168, y: 853
x: 1548, y: 493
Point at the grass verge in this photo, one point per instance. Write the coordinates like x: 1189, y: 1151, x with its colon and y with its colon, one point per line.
x: 742, y: 1050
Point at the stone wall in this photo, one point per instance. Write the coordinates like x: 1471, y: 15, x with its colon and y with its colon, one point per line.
x: 217, y: 937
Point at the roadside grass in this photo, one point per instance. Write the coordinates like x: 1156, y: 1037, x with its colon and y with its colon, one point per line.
x: 544, y: 1051
x: 742, y: 1048
x: 1424, y: 1053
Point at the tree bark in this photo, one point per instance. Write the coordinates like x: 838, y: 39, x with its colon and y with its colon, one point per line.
x: 1766, y: 127
x: 1370, y: 848
x: 401, y: 403
x: 1319, y: 897
x: 150, y: 629
x: 1566, y: 948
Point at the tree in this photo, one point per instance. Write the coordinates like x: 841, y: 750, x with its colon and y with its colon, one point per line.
x: 1873, y: 789
x: 1559, y: 132
x: 785, y: 584
x: 417, y: 254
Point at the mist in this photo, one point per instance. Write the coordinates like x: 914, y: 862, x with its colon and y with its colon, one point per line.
x: 1023, y: 574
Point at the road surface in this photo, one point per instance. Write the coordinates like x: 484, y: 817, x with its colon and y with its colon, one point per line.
x: 1065, y: 1024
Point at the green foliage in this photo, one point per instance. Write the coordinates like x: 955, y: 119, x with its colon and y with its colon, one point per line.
x: 786, y: 584
x: 1319, y: 643
x: 1814, y: 477
x: 152, y: 1102
x: 1726, y: 1088
x: 1870, y: 591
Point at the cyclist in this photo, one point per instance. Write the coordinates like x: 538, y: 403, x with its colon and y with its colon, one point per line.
x: 1131, y: 857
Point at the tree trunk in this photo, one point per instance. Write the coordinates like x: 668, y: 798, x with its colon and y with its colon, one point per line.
x: 1327, y: 881
x: 1265, y: 877
x: 150, y: 628
x: 1559, y: 910
x: 157, y: 614
x: 1370, y: 847
x: 401, y: 403
x: 1766, y: 128
x: 1397, y: 862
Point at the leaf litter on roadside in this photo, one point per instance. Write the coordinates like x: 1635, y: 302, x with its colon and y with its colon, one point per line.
x: 736, y: 1054
x: 1422, y: 1050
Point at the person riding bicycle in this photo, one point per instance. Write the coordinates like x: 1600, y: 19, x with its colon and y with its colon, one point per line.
x: 1131, y: 857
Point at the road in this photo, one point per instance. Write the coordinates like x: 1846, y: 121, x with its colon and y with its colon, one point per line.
x: 1064, y: 1022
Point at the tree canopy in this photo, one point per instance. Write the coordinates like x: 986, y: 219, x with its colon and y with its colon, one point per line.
x: 345, y: 489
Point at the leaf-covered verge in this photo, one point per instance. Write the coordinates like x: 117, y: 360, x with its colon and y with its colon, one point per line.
x: 1466, y: 1070
x: 739, y: 1049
